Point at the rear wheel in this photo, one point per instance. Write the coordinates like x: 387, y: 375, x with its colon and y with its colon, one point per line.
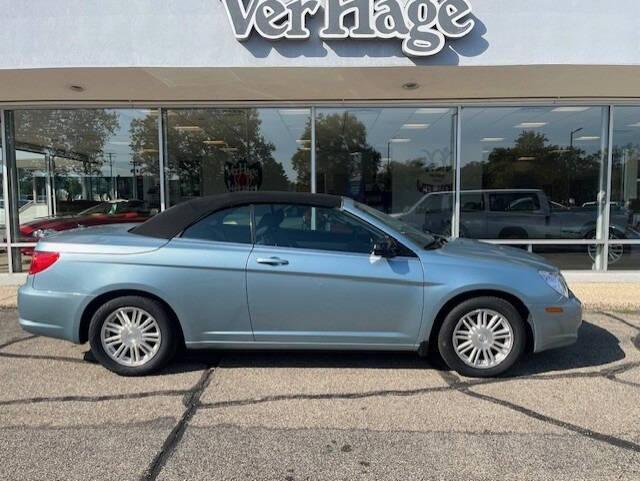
x: 482, y: 337
x: 132, y: 336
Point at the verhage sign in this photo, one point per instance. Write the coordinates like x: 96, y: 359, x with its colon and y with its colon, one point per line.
x: 422, y: 25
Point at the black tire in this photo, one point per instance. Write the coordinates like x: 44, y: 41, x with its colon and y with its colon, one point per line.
x: 501, y: 306
x: 165, y: 352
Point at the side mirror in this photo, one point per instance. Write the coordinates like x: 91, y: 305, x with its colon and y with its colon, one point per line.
x: 386, y: 248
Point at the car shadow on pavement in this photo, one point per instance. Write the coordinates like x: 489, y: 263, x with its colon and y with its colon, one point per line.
x: 596, y: 347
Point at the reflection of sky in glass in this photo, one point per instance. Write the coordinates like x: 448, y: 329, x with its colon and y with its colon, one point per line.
x: 119, y: 144
x: 405, y: 134
x: 283, y: 128
x: 485, y: 129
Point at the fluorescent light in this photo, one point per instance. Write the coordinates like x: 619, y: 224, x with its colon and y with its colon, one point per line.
x: 415, y: 126
x: 434, y: 111
x: 148, y: 151
x: 589, y: 137
x: 118, y: 142
x: 214, y: 142
x: 526, y: 158
x: 637, y: 124
x: 530, y: 125
x: 571, y: 109
x: 305, y: 148
x: 303, y: 141
x: 492, y: 139
x: 188, y: 128
x: 294, y: 111
x: 399, y: 140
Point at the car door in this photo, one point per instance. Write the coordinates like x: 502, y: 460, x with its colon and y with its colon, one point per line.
x: 311, y: 279
x: 206, y: 279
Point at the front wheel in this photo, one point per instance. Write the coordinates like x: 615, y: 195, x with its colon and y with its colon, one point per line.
x: 132, y: 336
x: 482, y: 337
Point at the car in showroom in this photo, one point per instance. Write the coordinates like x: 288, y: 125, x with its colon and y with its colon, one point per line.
x: 277, y: 270
x: 108, y: 212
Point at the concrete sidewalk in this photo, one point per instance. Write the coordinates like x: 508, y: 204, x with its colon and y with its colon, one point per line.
x: 613, y: 296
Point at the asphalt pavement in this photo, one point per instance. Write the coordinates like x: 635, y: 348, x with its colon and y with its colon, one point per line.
x: 571, y: 414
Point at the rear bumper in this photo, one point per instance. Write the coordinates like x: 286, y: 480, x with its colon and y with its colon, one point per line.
x: 553, y: 330
x: 49, y: 313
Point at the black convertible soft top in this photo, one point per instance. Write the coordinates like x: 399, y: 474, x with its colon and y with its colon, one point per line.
x: 171, y: 222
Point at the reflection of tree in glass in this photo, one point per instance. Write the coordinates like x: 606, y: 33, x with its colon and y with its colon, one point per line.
x: 347, y: 164
x: 199, y: 144
x: 67, y: 134
x: 567, y: 175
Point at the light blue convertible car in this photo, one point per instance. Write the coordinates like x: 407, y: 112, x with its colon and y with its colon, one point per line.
x: 273, y: 270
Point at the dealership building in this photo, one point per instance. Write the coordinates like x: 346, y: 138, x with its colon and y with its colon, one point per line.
x: 510, y: 121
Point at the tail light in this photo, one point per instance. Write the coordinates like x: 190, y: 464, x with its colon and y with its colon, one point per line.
x: 42, y: 260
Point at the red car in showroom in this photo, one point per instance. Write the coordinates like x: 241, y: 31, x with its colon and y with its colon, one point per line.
x: 109, y: 212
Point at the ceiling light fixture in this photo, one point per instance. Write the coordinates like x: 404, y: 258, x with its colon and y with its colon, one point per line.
x: 571, y: 109
x: 415, y: 126
x: 399, y: 140
x: 294, y: 111
x: 431, y: 111
x: 526, y: 158
x: 492, y: 139
x: 637, y: 124
x: 530, y: 125
x: 188, y: 128
x: 589, y: 137
x: 214, y: 142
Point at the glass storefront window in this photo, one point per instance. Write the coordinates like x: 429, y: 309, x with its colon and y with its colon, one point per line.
x: 398, y: 160
x: 570, y: 257
x: 533, y: 172
x: 212, y: 151
x: 625, y: 188
x: 84, y: 167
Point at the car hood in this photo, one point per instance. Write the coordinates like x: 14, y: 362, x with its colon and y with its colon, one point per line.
x: 472, y: 250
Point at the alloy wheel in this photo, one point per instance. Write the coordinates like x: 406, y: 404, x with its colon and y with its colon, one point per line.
x: 483, y: 338
x: 131, y: 336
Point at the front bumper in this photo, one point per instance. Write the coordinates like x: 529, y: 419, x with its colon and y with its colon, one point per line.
x: 49, y: 313
x: 560, y: 329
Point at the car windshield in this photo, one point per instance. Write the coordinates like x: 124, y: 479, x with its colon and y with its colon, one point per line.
x: 422, y: 238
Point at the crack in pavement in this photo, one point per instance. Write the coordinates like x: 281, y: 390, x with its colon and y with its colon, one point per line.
x: 608, y: 373
x: 17, y: 340
x: 106, y: 397
x: 191, y: 400
x: 619, y: 319
x: 454, y: 381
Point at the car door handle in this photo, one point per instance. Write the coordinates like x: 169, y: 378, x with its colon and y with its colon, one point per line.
x: 272, y: 261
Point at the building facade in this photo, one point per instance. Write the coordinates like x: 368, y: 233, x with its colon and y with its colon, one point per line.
x: 509, y: 121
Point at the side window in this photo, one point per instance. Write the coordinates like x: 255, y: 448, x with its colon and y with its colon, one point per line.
x: 471, y: 202
x: 228, y: 225
x: 514, y: 202
x: 435, y: 203
x: 318, y: 228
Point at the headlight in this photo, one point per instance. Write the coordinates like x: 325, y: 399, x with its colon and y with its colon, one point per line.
x: 556, y: 281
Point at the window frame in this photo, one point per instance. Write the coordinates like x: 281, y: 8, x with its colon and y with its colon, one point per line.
x: 406, y: 252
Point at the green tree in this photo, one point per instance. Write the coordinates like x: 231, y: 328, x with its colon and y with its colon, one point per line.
x: 346, y: 163
x: 200, y: 142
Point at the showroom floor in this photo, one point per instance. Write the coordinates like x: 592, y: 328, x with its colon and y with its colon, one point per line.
x: 566, y: 414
